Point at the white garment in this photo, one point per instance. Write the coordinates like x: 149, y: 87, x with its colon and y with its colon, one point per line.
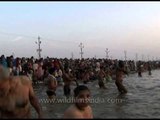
x: 35, y: 66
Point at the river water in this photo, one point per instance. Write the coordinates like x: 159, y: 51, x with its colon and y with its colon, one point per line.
x: 141, y: 101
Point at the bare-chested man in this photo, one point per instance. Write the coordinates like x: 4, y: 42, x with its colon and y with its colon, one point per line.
x: 149, y: 69
x: 140, y: 69
x: 67, y: 79
x: 101, y: 78
x: 16, y: 95
x: 51, y: 83
x: 81, y: 109
x: 119, y: 77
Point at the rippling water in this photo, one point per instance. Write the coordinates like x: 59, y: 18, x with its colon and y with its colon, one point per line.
x: 141, y: 101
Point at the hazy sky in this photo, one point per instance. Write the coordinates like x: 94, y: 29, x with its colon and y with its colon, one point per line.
x: 118, y: 26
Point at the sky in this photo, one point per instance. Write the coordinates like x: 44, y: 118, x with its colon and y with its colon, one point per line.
x: 133, y: 27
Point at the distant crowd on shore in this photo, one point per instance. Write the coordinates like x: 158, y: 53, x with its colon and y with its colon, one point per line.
x: 82, y: 69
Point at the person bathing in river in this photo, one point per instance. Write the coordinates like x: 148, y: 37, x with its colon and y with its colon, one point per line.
x: 81, y: 108
x: 120, y: 71
x: 101, y: 78
x: 16, y: 95
x: 51, y: 83
x: 149, y: 69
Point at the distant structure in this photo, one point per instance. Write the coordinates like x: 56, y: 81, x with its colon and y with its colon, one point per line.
x: 13, y: 54
x: 39, y: 50
x: 72, y: 55
x: 125, y: 55
x: 148, y: 57
x: 81, y: 47
x: 107, y: 51
x: 142, y: 57
x: 136, y: 59
x: 136, y: 56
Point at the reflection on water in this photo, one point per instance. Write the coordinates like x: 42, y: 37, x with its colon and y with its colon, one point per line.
x: 141, y: 101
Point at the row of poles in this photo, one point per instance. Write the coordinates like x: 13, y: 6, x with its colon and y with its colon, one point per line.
x: 39, y: 50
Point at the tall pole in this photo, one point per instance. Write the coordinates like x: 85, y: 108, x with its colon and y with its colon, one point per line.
x: 13, y: 54
x: 107, y: 51
x: 148, y: 57
x: 39, y: 47
x: 142, y: 57
x: 125, y: 55
x: 136, y: 57
x: 72, y: 56
x: 136, y: 61
x: 152, y: 58
x: 81, y: 47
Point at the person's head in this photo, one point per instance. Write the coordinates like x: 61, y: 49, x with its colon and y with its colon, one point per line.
x: 102, y: 67
x: 82, y: 96
x: 67, y: 70
x: 121, y: 64
x: 51, y: 70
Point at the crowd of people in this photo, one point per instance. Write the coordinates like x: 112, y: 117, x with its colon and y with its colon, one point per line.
x: 54, y: 72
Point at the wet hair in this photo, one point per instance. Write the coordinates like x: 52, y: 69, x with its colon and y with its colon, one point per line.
x: 80, y: 88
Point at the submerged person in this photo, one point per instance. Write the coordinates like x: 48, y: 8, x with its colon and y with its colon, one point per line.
x: 67, y: 79
x: 149, y: 69
x: 16, y: 95
x: 51, y: 84
x: 120, y: 71
x: 108, y: 75
x: 86, y: 77
x: 81, y: 108
x: 140, y: 70
x: 101, y: 78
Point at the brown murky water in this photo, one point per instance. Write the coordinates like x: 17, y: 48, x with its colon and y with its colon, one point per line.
x: 141, y: 101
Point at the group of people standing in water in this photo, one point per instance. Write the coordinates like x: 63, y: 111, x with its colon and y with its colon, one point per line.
x: 18, y: 75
